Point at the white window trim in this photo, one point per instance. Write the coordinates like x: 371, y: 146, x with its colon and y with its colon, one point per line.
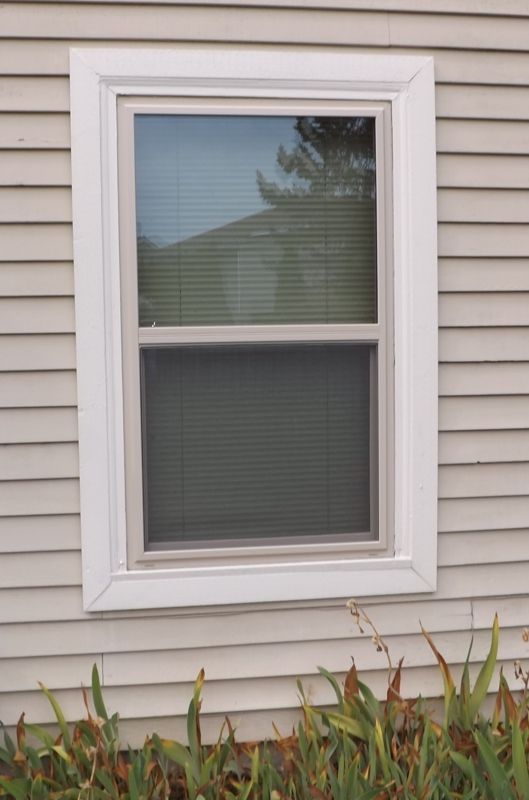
x: 97, y: 79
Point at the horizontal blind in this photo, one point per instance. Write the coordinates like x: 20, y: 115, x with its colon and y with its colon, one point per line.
x: 255, y: 441
x: 255, y: 220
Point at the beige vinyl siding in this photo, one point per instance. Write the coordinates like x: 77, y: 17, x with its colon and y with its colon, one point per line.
x: 34, y: 279
x: 35, y: 168
x: 40, y: 533
x: 478, y: 447
x: 253, y: 654
x: 32, y: 424
x: 33, y: 389
x: 26, y: 461
x: 38, y: 352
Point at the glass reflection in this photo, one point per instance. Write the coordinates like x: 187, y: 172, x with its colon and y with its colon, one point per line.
x: 255, y: 220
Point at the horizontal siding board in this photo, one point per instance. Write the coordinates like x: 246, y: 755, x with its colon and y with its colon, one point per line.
x: 204, y: 24
x: 34, y: 389
x: 47, y: 603
x: 39, y: 534
x: 475, y: 240
x: 477, y: 309
x: 483, y: 275
x: 37, y: 315
x: 36, y: 242
x: 483, y: 547
x: 284, y: 25
x: 512, y: 611
x: 22, y: 498
x: 470, y: 171
x: 475, y: 66
x: 245, y: 662
x: 480, y: 205
x: 35, y: 461
x: 477, y: 136
x: 475, y: 581
x: 468, y: 32
x: 37, y: 352
x: 37, y: 278
x: 38, y: 424
x: 484, y: 379
x: 128, y: 669
x: 473, y: 447
x: 484, y: 480
x: 55, y: 672
x: 34, y: 93
x: 190, y: 630
x: 30, y: 204
x: 35, y: 167
x: 483, y: 413
x: 516, y: 8
x: 34, y: 131
x: 21, y: 570
x: 483, y: 344
x: 481, y: 102
x: 26, y: 56
x: 483, y: 514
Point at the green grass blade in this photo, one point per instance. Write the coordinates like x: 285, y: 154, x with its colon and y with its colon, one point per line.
x: 59, y: 715
x: 343, y: 723
x: 499, y: 782
x: 97, y: 695
x: 334, y: 683
x: 18, y: 788
x: 519, y: 761
x: 485, y: 675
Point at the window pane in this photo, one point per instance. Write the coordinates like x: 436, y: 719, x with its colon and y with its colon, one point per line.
x: 255, y: 220
x: 255, y: 441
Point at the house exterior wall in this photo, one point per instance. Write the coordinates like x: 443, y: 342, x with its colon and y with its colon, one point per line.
x: 252, y: 654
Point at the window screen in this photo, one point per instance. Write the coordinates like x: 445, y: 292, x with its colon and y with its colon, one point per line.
x: 256, y: 441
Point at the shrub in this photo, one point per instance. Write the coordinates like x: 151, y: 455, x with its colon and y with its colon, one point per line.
x: 362, y: 749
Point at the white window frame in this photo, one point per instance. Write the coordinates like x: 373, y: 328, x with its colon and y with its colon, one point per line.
x: 98, y: 78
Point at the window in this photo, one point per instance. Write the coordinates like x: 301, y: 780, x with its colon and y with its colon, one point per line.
x: 255, y: 300
x: 252, y: 321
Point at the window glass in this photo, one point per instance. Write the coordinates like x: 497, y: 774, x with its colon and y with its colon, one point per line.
x: 255, y: 220
x: 256, y: 441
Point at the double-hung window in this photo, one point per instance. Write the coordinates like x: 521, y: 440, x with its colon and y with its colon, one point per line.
x: 255, y: 296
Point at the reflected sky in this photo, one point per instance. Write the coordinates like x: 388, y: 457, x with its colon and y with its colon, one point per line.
x: 196, y: 173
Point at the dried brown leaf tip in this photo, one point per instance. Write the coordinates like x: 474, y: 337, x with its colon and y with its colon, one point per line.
x: 351, y: 687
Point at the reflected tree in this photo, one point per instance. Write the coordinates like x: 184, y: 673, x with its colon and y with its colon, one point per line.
x: 332, y: 157
x: 324, y: 204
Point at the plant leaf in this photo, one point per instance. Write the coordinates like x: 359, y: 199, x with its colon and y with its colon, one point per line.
x: 97, y: 695
x: 485, y: 674
x: 519, y: 761
x: 60, y: 716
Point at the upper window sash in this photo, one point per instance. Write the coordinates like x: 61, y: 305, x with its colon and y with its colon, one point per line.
x: 128, y: 107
